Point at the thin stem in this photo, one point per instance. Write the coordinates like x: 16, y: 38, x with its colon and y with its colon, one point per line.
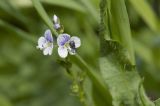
x: 44, y: 16
x: 94, y: 76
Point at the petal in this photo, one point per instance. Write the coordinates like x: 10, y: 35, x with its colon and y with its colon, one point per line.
x: 62, y: 39
x: 76, y: 40
x: 41, y: 42
x: 48, y: 35
x: 47, y: 51
x: 50, y: 50
x: 72, y: 51
x: 62, y: 51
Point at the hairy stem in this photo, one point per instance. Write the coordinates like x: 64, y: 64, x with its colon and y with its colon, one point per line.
x: 104, y: 31
x: 94, y: 76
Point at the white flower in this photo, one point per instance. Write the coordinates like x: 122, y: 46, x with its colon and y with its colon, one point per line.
x: 67, y: 44
x: 45, y: 43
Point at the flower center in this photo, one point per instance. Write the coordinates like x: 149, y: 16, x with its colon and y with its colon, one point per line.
x: 47, y: 44
x: 72, y: 44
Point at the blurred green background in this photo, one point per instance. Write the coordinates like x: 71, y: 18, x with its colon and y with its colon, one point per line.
x: 28, y: 78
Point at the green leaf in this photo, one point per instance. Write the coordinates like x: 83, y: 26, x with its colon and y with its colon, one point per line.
x: 144, y: 52
x: 71, y: 4
x: 6, y: 6
x: 17, y: 31
x: 38, y: 6
x: 94, y: 76
x: 4, y: 101
x: 121, y: 23
x: 157, y: 102
x: 91, y: 10
x: 121, y: 77
x: 149, y: 16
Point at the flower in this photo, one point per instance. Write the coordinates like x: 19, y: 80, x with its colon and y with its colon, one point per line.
x: 56, y: 22
x: 57, y: 25
x: 67, y: 44
x: 45, y: 43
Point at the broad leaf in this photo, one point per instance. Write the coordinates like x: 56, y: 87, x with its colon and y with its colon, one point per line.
x: 121, y: 77
x: 157, y: 102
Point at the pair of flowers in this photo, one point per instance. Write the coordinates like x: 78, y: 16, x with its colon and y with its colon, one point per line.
x: 66, y: 43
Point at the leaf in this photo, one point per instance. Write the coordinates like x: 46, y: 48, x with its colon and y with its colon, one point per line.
x: 4, y: 101
x: 121, y: 23
x: 71, y: 4
x: 149, y: 16
x: 143, y: 51
x: 121, y: 77
x: 91, y: 10
x: 6, y: 6
x: 94, y: 76
x: 157, y: 102
x: 17, y: 31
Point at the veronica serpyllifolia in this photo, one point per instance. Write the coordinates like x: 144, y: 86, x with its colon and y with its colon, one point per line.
x: 67, y: 44
x: 45, y: 43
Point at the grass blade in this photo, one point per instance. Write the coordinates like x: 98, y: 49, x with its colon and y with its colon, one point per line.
x: 17, y: 31
x: 149, y: 16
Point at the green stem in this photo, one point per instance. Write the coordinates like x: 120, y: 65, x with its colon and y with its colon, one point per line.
x: 94, y: 76
x: 44, y: 16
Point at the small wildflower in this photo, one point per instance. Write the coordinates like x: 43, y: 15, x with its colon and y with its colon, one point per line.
x: 67, y: 44
x: 45, y: 43
x: 57, y: 24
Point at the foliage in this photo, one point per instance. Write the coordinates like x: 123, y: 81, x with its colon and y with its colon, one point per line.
x: 109, y: 68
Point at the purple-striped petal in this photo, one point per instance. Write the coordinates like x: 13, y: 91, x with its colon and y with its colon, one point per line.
x: 48, y: 35
x: 76, y: 40
x: 41, y: 42
x: 62, y: 39
x: 47, y: 51
x: 62, y: 51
